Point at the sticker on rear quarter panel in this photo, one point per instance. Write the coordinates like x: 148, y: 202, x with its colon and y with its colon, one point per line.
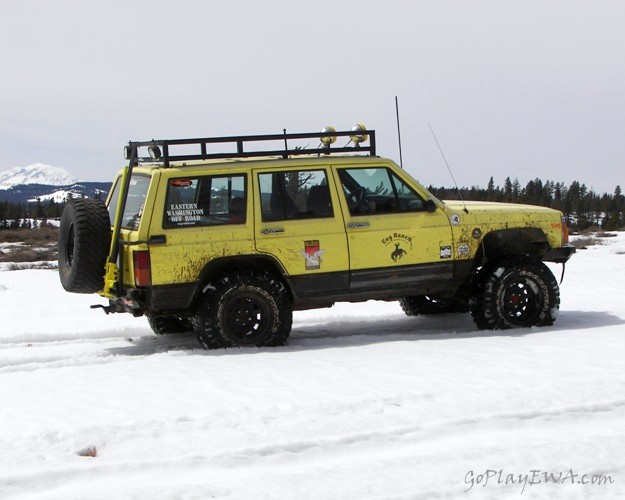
x: 312, y: 254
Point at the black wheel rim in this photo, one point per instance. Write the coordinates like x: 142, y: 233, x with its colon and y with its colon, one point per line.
x: 521, y: 301
x: 69, y: 246
x: 246, y: 318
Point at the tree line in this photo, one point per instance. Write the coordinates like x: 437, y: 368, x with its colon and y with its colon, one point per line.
x: 23, y: 215
x: 582, y: 206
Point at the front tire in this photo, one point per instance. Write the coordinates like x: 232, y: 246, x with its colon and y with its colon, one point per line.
x: 515, y: 293
x: 246, y: 308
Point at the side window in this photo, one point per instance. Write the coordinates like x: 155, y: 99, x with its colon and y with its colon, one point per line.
x: 113, y: 200
x: 300, y: 194
x: 137, y: 191
x: 205, y: 201
x: 378, y: 190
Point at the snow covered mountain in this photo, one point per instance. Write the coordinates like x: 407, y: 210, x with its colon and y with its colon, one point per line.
x: 37, y: 173
x: 44, y: 182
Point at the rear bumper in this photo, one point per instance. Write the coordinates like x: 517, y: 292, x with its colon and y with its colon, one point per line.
x: 559, y: 255
x: 163, y: 300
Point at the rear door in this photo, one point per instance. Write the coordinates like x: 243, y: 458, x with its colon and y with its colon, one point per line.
x: 134, y: 226
x: 204, y: 217
x: 298, y: 222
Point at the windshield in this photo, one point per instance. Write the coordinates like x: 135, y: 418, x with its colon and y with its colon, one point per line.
x: 137, y: 191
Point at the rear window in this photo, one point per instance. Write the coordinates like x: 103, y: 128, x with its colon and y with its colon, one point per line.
x: 205, y: 201
x: 137, y: 191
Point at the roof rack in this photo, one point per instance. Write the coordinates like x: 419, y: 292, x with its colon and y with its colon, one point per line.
x: 159, y: 150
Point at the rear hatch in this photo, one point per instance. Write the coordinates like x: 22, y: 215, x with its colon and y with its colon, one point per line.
x: 133, y: 261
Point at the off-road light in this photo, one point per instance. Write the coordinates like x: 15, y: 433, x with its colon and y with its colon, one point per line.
x: 361, y: 137
x: 155, y: 152
x: 327, y: 140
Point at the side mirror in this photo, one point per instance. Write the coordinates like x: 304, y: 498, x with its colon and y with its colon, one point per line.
x: 431, y: 206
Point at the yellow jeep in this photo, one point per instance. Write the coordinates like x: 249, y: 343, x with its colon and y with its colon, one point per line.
x: 226, y: 239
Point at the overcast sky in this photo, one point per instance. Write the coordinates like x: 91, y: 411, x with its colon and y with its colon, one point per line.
x: 521, y: 89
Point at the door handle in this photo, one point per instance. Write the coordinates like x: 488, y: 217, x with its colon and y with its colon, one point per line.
x: 357, y: 225
x: 272, y: 231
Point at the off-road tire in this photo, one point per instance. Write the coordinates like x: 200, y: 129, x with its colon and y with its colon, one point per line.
x: 418, y: 305
x: 83, y: 245
x: 166, y: 325
x: 514, y: 293
x: 246, y: 308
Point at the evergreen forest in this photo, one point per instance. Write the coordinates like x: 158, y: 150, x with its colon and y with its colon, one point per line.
x: 583, y: 207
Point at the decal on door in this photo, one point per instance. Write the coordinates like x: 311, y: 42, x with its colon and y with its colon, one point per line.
x: 184, y: 214
x: 400, y: 242
x: 312, y: 254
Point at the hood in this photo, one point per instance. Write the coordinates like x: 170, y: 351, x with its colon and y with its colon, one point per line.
x: 475, y: 207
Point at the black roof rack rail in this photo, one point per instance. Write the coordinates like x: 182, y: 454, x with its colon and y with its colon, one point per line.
x: 160, y: 153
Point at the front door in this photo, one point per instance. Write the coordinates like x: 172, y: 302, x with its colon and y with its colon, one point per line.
x: 394, y: 238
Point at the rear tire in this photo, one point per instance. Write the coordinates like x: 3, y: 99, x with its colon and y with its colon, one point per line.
x: 83, y: 245
x: 167, y: 325
x: 246, y: 308
x: 515, y: 293
x: 418, y: 305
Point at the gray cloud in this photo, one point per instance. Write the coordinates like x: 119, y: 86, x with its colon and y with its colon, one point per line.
x: 519, y: 89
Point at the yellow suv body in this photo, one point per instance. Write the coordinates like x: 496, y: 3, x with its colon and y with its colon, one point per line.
x: 229, y: 244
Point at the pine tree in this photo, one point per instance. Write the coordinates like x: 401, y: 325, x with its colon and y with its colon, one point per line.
x: 507, y: 190
x: 490, y: 190
x: 516, y: 190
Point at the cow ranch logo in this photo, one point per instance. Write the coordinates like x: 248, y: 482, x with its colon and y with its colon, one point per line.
x: 399, y: 243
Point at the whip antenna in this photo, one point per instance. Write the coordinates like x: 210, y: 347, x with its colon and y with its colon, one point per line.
x: 401, y: 163
x: 447, y: 164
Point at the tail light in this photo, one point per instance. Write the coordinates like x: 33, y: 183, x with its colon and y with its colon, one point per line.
x: 141, y: 261
x: 565, y: 232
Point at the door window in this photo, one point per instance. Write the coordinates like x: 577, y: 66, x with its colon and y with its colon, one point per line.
x: 302, y: 194
x: 135, y: 199
x: 205, y: 201
x: 377, y: 190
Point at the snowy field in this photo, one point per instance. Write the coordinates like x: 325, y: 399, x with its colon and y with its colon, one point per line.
x: 364, y: 402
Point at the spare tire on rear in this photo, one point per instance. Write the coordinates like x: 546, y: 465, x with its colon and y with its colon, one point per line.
x: 84, y: 240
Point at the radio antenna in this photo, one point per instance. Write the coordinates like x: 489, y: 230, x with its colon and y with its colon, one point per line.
x: 447, y: 164
x: 401, y: 163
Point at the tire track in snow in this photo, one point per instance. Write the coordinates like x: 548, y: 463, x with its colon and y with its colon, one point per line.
x: 397, y: 436
x: 286, y: 459
x: 29, y: 357
x: 329, y: 449
x: 61, y: 353
x: 65, y: 338
x: 78, y: 361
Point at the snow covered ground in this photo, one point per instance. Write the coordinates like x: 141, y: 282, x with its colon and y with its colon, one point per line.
x: 363, y: 402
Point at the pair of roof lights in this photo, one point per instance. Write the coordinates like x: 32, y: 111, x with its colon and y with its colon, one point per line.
x: 153, y: 150
x: 357, y: 137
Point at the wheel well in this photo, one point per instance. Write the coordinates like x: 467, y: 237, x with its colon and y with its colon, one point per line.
x: 219, y: 267
x: 520, y: 241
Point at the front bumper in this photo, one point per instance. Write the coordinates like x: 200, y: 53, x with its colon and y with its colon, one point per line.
x: 559, y: 255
